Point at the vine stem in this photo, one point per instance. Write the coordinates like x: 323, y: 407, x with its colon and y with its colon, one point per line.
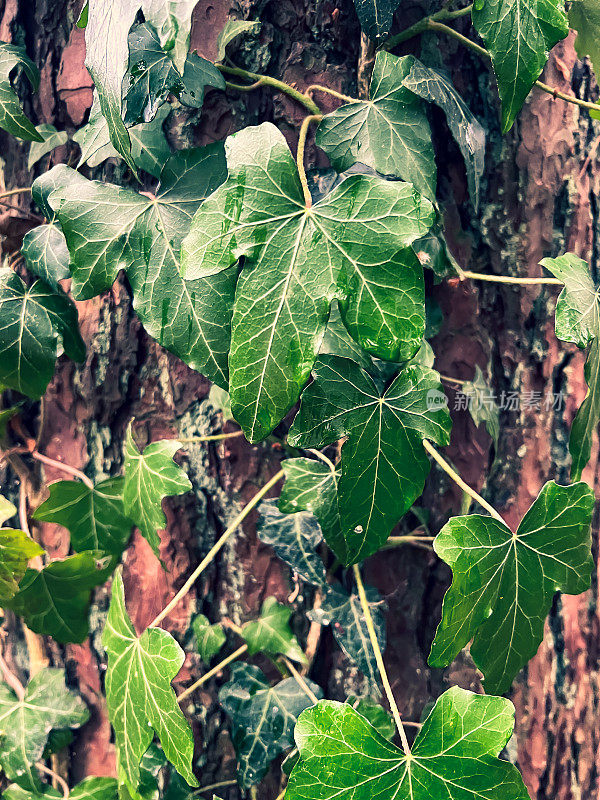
x: 300, y: 154
x: 216, y: 547
x: 58, y: 778
x: 459, y: 481
x: 208, y: 675
x: 217, y: 437
x: 267, y: 80
x: 51, y: 462
x: 300, y: 681
x: 379, y: 659
x: 316, y: 87
x: 11, y: 679
x: 323, y: 458
x: 212, y: 786
x: 479, y: 276
x: 423, y: 25
x: 13, y: 192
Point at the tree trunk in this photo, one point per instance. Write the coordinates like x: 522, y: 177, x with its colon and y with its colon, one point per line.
x: 539, y: 199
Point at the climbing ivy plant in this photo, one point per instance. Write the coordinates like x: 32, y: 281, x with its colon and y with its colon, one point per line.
x: 291, y: 301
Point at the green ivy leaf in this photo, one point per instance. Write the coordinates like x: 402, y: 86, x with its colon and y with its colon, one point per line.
x: 482, y: 406
x: 149, y: 477
x: 437, y: 88
x: 578, y: 320
x: 375, y: 714
x: 453, y: 756
x: 503, y: 584
x: 209, y: 638
x: 16, y: 550
x: 36, y: 325
x: 389, y: 132
x: 173, y: 21
x: 343, y: 612
x: 91, y: 788
x: 95, y: 518
x: 139, y: 695
x: 197, y: 75
x: 263, y: 718
x: 109, y: 228
x: 294, y: 537
x: 26, y: 723
x: 584, y: 17
x: 384, y: 464
x: 55, y: 601
x: 518, y: 35
x: 358, y: 236
x: 271, y: 634
x: 231, y: 30
x: 376, y: 16
x: 338, y: 342
x: 12, y: 118
x: 433, y: 252
x: 51, y: 140
x: 46, y: 254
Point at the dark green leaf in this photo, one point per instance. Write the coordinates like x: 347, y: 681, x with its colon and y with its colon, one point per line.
x: 503, y: 583
x: 376, y: 16
x: 209, y: 638
x: 51, y: 140
x: 57, y: 740
x: 232, y: 29
x: 45, y: 252
x: 271, y: 634
x: 16, y: 550
x: 173, y: 21
x: 384, y: 464
x: 389, y: 132
x: 453, y: 756
x: 197, y: 75
x: 12, y: 118
x: 376, y: 715
x: 338, y: 342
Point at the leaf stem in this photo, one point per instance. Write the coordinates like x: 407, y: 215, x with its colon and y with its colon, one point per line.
x: 423, y: 25
x: 300, y: 681
x: 459, y: 481
x: 267, y: 80
x: 300, y: 155
x: 323, y: 458
x: 13, y: 192
x: 217, y: 437
x: 58, y: 778
x: 51, y: 462
x: 457, y: 381
x: 208, y: 675
x: 379, y: 659
x: 394, y: 541
x: 216, y: 547
x: 316, y: 87
x: 479, y: 276
x: 212, y: 786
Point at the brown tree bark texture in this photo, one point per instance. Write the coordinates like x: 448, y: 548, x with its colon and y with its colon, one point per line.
x: 539, y: 198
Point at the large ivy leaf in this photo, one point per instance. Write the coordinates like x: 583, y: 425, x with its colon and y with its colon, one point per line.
x: 294, y: 537
x: 454, y: 755
x: 26, y: 723
x: 55, y: 601
x: 139, y: 695
x: 584, y: 17
x: 263, y: 718
x: 297, y: 260
x: 437, y: 88
x: 384, y: 463
x: 209, y: 638
x: 518, y: 35
x: 388, y: 132
x: 51, y: 139
x: 343, y: 612
x: 503, y: 583
x: 46, y: 254
x: 376, y: 16
x: 95, y: 518
x: 271, y: 633
x: 91, y: 788
x: 109, y: 228
x: 149, y: 477
x: 16, y: 550
x: 12, y: 118
x: 577, y: 320
x: 37, y: 324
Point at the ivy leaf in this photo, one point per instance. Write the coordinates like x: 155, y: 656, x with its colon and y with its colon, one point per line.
x: 454, y: 755
x: 376, y: 715
x: 36, y: 325
x: 197, y: 75
x: 482, y: 406
x: 46, y: 254
x: 209, y: 638
x: 263, y: 718
x: 91, y: 788
x: 12, y: 118
x: 294, y: 538
x: 26, y: 723
x: 51, y: 140
x: 16, y: 550
x: 355, y: 235
x: 343, y: 612
x: 231, y: 30
x: 271, y: 633
x: 503, y: 584
x: 578, y: 320
x: 95, y: 518
x: 437, y: 88
x: 518, y: 34
x: 376, y: 16
x: 139, y: 694
x: 173, y: 21
x: 55, y: 601
x: 384, y: 463
x: 389, y: 132
x: 338, y: 342
x: 584, y: 17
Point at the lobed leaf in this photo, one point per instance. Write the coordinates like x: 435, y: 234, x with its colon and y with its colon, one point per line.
x: 12, y: 118
x: 51, y: 139
x: 209, y: 638
x: 376, y: 16
x: 271, y: 634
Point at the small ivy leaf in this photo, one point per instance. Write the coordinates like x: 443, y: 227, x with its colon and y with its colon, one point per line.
x: 389, y: 132
x: 51, y: 140
x: 209, y: 638
x: 231, y: 30
x: 139, y: 695
x: 55, y: 601
x: 91, y: 788
x: 220, y: 401
x: 12, y: 118
x: 46, y: 255
x: 294, y: 538
x: 584, y: 17
x: 197, y: 75
x: 518, y: 34
x: 577, y: 320
x: 57, y: 740
x: 343, y: 612
x: 16, y: 550
x: 47, y: 182
x: 376, y: 16
x: 26, y: 723
x: 152, y: 763
x: 173, y: 21
x: 503, y: 584
x: 375, y: 714
x: 437, y: 88
x: 271, y: 634
x: 149, y: 477
x: 482, y: 406
x: 37, y: 324
x: 358, y: 235
x: 82, y: 20
x: 95, y: 518
x: 384, y: 463
x: 433, y: 253
x: 263, y: 718
x: 454, y: 755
